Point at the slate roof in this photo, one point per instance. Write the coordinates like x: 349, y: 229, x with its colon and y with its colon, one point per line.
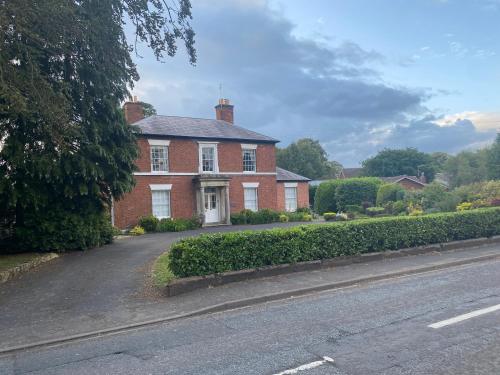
x: 395, y: 179
x: 199, y: 128
x: 284, y: 175
x: 351, y: 172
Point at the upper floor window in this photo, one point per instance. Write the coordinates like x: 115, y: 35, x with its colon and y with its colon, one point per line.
x: 249, y: 160
x: 159, y: 155
x: 208, y: 158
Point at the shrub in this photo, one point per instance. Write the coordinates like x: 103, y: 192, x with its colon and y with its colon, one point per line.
x: 325, y: 200
x: 178, y: 224
x: 238, y: 219
x: 495, y: 202
x: 295, y: 216
x: 464, y: 206
x: 307, y: 217
x: 137, y: 231
x: 221, y: 252
x: 329, y: 216
x: 149, y: 223
x: 389, y: 193
x: 304, y: 210
x: 341, y: 217
x: 374, y: 211
x: 356, y: 190
x: 263, y: 216
x: 398, y: 207
x: 416, y: 212
x: 283, y: 218
x: 354, y: 208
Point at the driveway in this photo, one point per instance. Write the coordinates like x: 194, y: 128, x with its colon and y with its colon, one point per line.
x: 90, y: 290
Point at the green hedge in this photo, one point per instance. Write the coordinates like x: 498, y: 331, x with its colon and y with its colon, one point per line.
x: 221, y: 252
x: 324, y: 199
x: 389, y: 193
x: 266, y: 216
x: 355, y: 191
x: 336, y: 195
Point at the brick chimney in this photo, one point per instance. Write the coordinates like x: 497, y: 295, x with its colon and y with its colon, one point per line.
x: 133, y: 111
x: 224, y: 111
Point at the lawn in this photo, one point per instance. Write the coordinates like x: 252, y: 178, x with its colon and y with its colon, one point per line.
x: 13, y: 260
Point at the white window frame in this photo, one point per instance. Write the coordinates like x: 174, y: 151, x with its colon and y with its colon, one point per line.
x: 201, y: 146
x: 159, y: 143
x: 255, y: 190
x: 248, y: 147
x: 161, y: 188
x: 288, y: 207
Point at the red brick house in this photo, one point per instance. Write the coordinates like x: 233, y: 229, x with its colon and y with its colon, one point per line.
x: 202, y: 167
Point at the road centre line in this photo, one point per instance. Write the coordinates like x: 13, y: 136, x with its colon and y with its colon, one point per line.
x: 463, y: 317
x: 307, y: 366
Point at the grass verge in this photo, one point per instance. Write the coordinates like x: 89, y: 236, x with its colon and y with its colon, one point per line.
x: 13, y: 260
x: 162, y: 275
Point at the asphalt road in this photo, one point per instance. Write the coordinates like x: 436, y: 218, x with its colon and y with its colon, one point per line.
x: 380, y: 328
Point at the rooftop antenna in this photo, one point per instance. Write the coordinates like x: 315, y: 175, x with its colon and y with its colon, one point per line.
x: 220, y: 90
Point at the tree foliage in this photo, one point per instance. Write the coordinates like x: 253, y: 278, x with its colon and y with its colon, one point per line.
x: 307, y: 158
x: 148, y: 109
x: 493, y: 160
x: 66, y: 150
x: 407, y: 161
x: 467, y: 167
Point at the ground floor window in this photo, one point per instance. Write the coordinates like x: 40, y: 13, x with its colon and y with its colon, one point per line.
x: 251, y: 202
x: 161, y: 203
x: 291, y: 199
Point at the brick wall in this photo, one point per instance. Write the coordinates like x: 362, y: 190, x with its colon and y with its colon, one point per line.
x: 138, y: 203
x: 302, y: 195
x: 266, y: 192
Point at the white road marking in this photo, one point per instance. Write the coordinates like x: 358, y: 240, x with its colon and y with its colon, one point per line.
x: 463, y: 317
x: 307, y: 366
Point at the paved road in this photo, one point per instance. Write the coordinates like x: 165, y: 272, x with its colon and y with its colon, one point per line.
x: 87, y: 290
x: 381, y: 328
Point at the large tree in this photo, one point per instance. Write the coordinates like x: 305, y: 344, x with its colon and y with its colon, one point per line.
x: 493, y: 160
x: 467, y: 167
x: 65, y: 149
x: 407, y: 161
x: 307, y: 158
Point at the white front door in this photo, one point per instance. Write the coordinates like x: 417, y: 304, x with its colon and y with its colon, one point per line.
x: 211, y: 206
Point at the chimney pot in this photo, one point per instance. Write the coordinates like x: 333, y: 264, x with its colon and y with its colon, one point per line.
x: 224, y: 111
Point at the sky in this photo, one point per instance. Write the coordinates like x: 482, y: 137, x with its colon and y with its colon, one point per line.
x: 357, y: 75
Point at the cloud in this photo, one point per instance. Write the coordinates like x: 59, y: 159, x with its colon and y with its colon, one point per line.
x: 482, y: 120
x: 281, y: 84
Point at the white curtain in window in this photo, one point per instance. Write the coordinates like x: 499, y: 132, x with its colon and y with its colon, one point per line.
x: 291, y: 199
x: 161, y: 203
x: 251, y: 199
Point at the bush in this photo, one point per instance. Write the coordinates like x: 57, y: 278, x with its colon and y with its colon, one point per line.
x: 353, y: 208
x: 495, y: 202
x: 239, y: 219
x: 341, y: 217
x: 304, y: 210
x: 283, y: 218
x: 149, y: 223
x: 137, y: 231
x: 389, y: 193
x: 354, y: 191
x: 325, y: 200
x: 60, y: 229
x: 178, y: 224
x: 222, y: 252
x: 307, y: 217
x: 398, y: 207
x: 374, y: 211
x: 464, y: 206
x: 329, y: 216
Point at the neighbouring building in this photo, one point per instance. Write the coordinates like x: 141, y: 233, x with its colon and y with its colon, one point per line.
x: 407, y: 182
x: 204, y: 167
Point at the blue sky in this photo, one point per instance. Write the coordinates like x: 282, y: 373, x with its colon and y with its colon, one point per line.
x: 357, y: 75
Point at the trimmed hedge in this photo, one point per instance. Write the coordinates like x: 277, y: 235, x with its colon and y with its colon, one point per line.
x: 221, y: 252
x: 389, y: 193
x: 324, y: 199
x: 354, y: 191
